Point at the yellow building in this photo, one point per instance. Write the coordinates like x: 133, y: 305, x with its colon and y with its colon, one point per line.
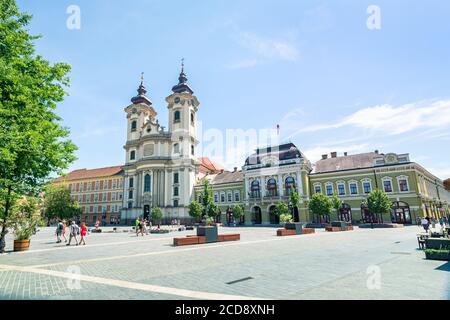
x: 99, y: 193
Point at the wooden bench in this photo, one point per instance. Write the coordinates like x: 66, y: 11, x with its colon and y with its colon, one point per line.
x: 228, y: 237
x: 289, y: 232
x: 339, y: 229
x: 186, y: 241
x: 308, y: 231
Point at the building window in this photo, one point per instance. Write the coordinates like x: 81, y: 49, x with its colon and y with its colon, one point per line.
x: 176, y: 148
x: 289, y: 185
x: 95, y: 209
x: 237, y: 197
x: 81, y: 187
x: 176, y: 178
x: 131, y: 183
x: 133, y: 126
x: 387, y: 185
x: 130, y: 194
x: 113, y: 196
x: 97, y: 185
x: 177, y: 117
x: 230, y: 197
x: 341, y: 189
x: 329, y: 189
x: 132, y: 155
x: 193, y: 150
x: 96, y: 197
x: 104, y: 197
x: 222, y: 197
x: 147, y: 181
x: 367, y: 187
x: 317, y: 188
x: 192, y: 118
x: 176, y: 192
x: 272, y: 187
x: 216, y: 198
x: 114, y: 184
x: 130, y: 205
x: 353, y: 188
x: 175, y: 203
x: 89, y: 186
x: 403, y: 184
x: 255, y: 189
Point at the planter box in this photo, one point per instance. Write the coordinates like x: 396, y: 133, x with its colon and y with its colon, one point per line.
x: 298, y: 227
x: 339, y: 229
x: 286, y: 232
x: 340, y: 224
x: 21, y: 245
x: 437, y: 243
x: 308, y: 230
x: 441, y: 256
x: 210, y: 232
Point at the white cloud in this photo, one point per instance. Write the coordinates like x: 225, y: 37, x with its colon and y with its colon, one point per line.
x: 244, y: 64
x: 392, y: 120
x: 269, y: 48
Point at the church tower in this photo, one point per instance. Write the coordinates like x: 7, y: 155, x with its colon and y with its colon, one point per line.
x: 183, y: 106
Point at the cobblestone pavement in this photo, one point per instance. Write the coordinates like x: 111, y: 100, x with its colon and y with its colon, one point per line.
x: 362, y: 264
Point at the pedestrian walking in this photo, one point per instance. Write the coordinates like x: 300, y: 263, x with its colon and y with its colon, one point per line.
x: 83, y: 233
x: 136, y: 226
x: 145, y: 224
x: 74, y: 232
x: 59, y: 230
x: 425, y: 224
x: 140, y: 228
x: 64, y: 223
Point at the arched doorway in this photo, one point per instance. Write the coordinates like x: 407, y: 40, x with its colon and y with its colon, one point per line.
x: 230, y: 217
x: 256, y: 215
x: 147, y: 212
x: 400, y: 213
x: 345, y: 213
x: 274, y: 218
x: 296, y: 215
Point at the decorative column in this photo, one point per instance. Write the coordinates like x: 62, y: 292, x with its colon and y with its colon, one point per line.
x: 280, y: 186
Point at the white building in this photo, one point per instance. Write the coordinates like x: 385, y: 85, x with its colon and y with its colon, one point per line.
x: 160, y: 166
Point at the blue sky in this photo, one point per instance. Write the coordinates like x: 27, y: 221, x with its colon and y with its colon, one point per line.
x: 311, y: 66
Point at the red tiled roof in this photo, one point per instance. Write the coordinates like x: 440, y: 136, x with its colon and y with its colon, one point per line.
x: 91, y: 173
x: 209, y: 166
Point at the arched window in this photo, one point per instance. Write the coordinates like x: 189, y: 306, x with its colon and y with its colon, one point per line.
x: 176, y: 148
x: 133, y: 155
x: 255, y: 189
x: 147, y: 183
x: 272, y: 187
x: 289, y: 185
x: 177, y: 116
x: 192, y: 118
x: 133, y: 125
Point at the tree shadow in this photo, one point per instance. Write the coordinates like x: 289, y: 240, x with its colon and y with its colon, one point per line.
x: 444, y: 267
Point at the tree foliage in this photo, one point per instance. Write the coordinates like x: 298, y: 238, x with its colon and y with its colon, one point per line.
x: 26, y: 218
x: 378, y: 202
x: 58, y: 204
x: 157, y: 214
x: 238, y: 211
x: 195, y: 210
x: 282, y: 210
x: 33, y: 143
x: 320, y: 204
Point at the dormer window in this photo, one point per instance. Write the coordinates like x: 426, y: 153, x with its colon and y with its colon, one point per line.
x: 177, y: 117
x: 133, y: 126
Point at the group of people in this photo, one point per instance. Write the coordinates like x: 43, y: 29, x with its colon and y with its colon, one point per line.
x: 74, y: 232
x: 143, y: 226
x: 426, y: 222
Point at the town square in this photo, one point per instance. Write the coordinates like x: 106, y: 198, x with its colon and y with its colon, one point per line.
x: 176, y: 152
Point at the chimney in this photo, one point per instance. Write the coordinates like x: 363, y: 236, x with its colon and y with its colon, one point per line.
x: 324, y: 157
x: 377, y: 151
x: 334, y: 154
x: 345, y: 154
x: 235, y: 169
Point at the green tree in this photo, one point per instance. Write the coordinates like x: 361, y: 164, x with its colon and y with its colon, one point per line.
x: 157, y: 215
x: 238, y: 212
x: 195, y: 210
x: 209, y: 208
x: 33, y: 144
x: 378, y: 202
x: 336, y: 203
x: 320, y: 205
x: 294, y: 200
x: 58, y: 204
x: 282, y: 210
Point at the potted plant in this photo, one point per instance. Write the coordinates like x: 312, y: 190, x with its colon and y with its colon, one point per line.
x: 209, y: 230
x: 25, y: 220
